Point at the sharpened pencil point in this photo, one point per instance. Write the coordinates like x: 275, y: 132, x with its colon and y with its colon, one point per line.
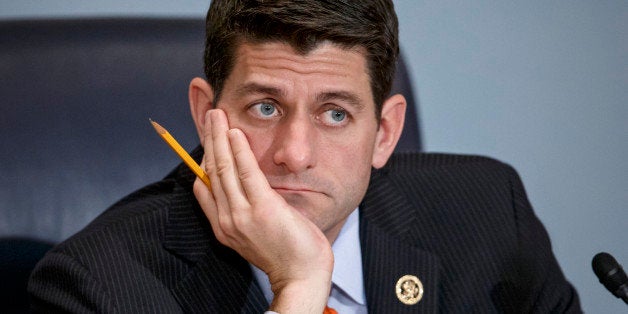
x: 182, y: 153
x: 157, y: 127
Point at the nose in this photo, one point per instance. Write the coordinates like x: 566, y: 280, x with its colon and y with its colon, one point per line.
x: 295, y: 145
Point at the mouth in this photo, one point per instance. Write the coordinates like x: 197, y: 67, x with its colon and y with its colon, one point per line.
x: 303, y: 185
x: 292, y: 189
x: 296, y: 190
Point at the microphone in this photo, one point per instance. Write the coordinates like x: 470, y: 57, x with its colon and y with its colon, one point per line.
x: 611, y: 275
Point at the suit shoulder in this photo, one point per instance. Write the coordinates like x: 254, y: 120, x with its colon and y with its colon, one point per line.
x: 412, y: 162
x: 120, y: 223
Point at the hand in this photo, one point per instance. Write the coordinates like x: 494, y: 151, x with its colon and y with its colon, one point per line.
x: 247, y: 215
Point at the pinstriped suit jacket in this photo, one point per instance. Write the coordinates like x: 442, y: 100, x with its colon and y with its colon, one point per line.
x: 461, y: 224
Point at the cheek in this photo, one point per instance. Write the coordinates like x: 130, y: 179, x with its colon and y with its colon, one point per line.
x: 351, y: 170
x: 260, y: 142
x: 351, y: 159
x: 356, y: 148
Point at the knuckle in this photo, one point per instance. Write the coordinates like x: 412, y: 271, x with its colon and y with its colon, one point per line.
x: 221, y: 238
x: 245, y: 173
x: 209, y: 167
x: 196, y: 188
x: 224, y: 223
x: 223, y: 167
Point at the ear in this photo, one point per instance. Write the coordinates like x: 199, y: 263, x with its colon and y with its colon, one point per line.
x: 390, y: 127
x: 201, y: 96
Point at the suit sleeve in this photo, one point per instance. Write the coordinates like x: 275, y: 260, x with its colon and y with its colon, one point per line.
x: 59, y: 284
x: 547, y: 290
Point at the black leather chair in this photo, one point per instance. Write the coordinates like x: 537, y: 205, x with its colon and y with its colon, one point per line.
x: 76, y: 99
x: 18, y: 257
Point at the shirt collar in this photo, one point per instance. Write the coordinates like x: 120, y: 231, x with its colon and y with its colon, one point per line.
x: 347, y: 274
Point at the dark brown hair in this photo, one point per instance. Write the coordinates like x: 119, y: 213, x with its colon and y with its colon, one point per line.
x: 303, y: 24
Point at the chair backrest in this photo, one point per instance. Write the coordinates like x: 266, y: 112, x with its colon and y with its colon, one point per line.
x: 18, y: 257
x: 76, y: 98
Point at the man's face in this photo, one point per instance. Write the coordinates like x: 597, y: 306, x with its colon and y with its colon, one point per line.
x: 310, y: 121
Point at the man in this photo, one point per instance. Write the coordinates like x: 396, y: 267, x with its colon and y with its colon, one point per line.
x: 305, y: 209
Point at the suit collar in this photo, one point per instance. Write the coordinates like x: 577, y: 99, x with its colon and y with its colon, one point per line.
x: 387, y: 221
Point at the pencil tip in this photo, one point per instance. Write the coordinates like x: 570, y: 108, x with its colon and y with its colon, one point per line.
x: 160, y: 129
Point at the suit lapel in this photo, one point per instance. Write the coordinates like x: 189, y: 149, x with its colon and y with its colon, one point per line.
x: 217, y: 280
x: 386, y: 221
x: 220, y: 282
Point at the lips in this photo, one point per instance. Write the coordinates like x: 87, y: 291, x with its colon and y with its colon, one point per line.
x: 295, y: 189
x: 292, y: 189
x: 300, y: 184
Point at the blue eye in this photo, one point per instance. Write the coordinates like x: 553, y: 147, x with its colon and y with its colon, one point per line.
x: 335, y: 117
x: 338, y: 115
x: 267, y: 109
x: 264, y: 110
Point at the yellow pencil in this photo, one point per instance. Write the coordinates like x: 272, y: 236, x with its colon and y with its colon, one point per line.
x: 182, y: 153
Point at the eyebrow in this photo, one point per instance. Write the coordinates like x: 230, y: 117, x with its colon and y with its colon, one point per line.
x: 255, y: 88
x: 344, y: 96
x: 347, y: 97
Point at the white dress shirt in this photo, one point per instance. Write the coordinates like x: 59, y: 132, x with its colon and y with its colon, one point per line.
x: 347, y: 290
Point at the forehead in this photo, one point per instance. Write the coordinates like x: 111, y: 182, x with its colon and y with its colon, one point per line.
x: 327, y: 65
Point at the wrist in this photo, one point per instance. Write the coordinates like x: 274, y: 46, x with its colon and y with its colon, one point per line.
x: 303, y: 296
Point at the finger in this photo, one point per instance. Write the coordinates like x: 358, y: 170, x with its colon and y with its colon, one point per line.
x: 209, y: 162
x: 251, y: 177
x: 225, y: 164
x: 222, y: 218
x: 208, y: 205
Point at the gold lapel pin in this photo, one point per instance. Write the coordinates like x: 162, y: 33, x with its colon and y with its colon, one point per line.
x: 409, y: 289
